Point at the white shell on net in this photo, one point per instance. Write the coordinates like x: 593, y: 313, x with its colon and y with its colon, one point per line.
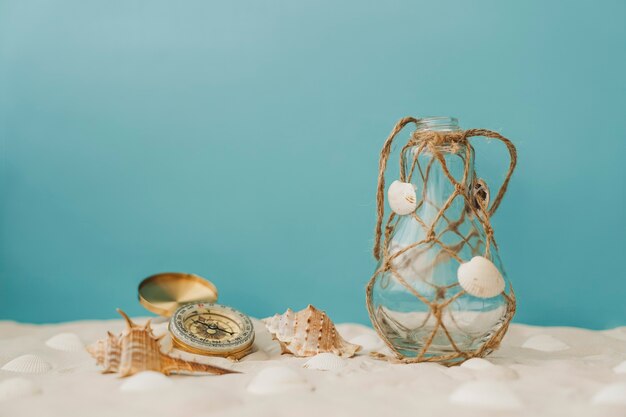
x: 278, y: 379
x: 480, y: 277
x: 324, y: 362
x: 68, y: 342
x: 486, y: 394
x: 17, y: 387
x: 545, y: 343
x: 401, y: 197
x: 29, y: 364
x: 614, y: 394
x: 146, y: 381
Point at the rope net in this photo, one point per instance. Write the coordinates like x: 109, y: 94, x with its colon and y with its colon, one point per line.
x: 475, y: 197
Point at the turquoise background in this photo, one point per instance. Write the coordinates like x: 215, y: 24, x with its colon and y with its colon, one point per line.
x: 240, y: 140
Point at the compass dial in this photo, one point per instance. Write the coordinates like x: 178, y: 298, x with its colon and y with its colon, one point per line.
x: 212, y: 329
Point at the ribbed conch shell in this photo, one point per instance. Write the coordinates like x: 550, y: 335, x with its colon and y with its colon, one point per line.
x: 137, y: 349
x: 307, y: 333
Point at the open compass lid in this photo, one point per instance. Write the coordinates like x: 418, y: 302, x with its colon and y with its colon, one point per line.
x: 164, y: 293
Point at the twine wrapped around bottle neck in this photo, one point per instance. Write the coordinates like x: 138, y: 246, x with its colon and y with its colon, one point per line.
x: 437, y: 142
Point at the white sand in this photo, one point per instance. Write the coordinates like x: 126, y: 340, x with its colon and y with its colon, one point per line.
x: 577, y: 379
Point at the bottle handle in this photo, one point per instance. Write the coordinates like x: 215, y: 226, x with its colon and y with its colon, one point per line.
x: 380, y: 192
x: 512, y: 162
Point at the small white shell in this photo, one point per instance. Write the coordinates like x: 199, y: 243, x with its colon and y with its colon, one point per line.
x: 146, y: 381
x: 401, y: 197
x: 621, y: 368
x: 477, y: 364
x: 482, y: 368
x: 31, y: 364
x: 325, y: 362
x: 68, y: 342
x: 486, y: 394
x: 545, y: 343
x: 480, y: 277
x: 17, y: 387
x: 369, y: 342
x: 614, y: 394
x: 278, y: 379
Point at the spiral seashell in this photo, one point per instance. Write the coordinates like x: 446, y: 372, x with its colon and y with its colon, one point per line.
x: 17, y: 387
x: 278, y: 379
x: 68, y: 342
x: 324, y: 362
x: 480, y: 277
x: 137, y: 349
x: 402, y: 198
x: 28, y: 364
x: 307, y: 333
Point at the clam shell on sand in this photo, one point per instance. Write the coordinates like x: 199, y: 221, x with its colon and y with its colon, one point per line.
x: 68, y: 342
x: 28, y: 364
x: 325, y: 362
x: 17, y: 387
x: 278, y: 379
x: 486, y: 394
x: 146, y: 381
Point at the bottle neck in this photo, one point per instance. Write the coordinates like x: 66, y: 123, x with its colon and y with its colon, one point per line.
x: 438, y: 124
x: 427, y: 172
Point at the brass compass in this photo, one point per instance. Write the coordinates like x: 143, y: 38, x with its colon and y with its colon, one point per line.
x: 212, y: 329
x: 197, y: 324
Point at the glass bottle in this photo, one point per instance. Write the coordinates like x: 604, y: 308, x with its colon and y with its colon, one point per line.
x: 404, y: 305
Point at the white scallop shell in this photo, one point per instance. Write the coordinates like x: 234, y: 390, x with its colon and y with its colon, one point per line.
x: 17, y: 387
x: 146, y: 381
x: 325, y: 362
x: 480, y: 277
x: 278, y: 379
x: 31, y: 364
x: 68, y: 342
x: 621, y: 368
x: 614, y: 394
x: 486, y: 394
x: 545, y: 343
x: 401, y: 197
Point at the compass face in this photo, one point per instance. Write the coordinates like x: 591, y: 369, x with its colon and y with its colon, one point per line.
x: 211, y: 329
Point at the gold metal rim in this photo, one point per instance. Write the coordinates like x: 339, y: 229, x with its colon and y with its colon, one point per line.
x: 165, y: 292
x: 235, y: 354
